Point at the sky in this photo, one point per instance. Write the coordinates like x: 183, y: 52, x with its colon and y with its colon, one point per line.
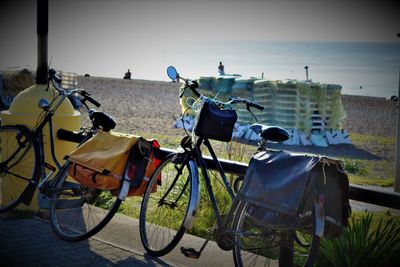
x: 102, y: 37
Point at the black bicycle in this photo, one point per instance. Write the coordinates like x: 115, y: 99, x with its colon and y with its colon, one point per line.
x: 76, y: 211
x: 166, y: 214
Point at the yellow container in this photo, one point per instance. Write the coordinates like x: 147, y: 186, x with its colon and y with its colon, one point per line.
x: 25, y: 110
x: 186, y: 101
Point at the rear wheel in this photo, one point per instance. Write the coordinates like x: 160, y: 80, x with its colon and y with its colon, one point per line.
x: 78, y: 212
x: 165, y: 206
x: 18, y: 167
x: 258, y: 245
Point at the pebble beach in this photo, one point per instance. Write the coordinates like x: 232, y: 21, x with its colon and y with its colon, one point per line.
x: 149, y: 108
x: 152, y: 106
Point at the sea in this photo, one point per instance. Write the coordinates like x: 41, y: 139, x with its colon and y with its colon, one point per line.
x: 369, y: 69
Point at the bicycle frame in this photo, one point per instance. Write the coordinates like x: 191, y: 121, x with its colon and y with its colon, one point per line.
x: 36, y: 137
x: 197, y: 155
x: 39, y: 137
x: 229, y: 227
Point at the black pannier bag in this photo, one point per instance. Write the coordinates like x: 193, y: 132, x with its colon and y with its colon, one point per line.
x: 280, y: 188
x: 215, y: 123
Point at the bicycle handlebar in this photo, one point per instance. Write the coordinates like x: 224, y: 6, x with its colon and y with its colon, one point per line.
x: 245, y: 101
x: 57, y: 81
x: 53, y: 76
x: 193, y: 85
x: 87, y: 97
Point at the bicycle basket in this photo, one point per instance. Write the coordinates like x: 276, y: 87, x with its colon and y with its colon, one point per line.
x: 215, y: 123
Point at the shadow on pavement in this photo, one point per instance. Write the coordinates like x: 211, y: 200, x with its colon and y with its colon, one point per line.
x: 31, y: 242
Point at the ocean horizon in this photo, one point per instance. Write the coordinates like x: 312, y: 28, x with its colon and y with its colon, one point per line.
x: 368, y: 69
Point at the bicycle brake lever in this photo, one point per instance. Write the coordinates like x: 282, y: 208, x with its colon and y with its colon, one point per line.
x: 83, y: 101
x: 183, y: 91
x: 248, y: 109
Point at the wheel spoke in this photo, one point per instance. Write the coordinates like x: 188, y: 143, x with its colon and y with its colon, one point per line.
x: 19, y: 176
x: 259, y: 245
x: 78, y: 212
x: 19, y: 165
x: 163, y: 212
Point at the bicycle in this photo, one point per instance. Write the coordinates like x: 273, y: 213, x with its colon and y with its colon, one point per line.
x: 74, y: 209
x: 165, y: 215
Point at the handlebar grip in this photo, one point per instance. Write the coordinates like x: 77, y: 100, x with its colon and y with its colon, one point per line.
x: 91, y: 100
x: 257, y: 106
x: 71, y: 136
x: 87, y: 97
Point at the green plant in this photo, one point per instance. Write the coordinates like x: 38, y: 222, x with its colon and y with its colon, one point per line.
x: 354, y: 167
x: 362, y: 180
x: 104, y: 200
x: 364, y: 243
x: 205, y: 217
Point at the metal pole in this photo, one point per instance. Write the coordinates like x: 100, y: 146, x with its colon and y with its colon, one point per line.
x: 42, y: 32
x: 306, y: 68
x: 397, y: 158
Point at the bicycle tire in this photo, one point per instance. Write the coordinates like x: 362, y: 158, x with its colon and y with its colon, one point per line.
x: 19, y: 171
x: 163, y: 213
x: 77, y: 212
x: 258, y: 245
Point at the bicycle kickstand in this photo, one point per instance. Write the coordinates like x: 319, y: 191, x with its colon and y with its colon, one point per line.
x: 192, y: 253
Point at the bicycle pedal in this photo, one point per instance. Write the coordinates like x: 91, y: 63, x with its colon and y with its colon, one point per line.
x: 190, y: 253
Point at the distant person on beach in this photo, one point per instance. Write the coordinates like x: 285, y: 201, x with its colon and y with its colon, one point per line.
x: 128, y: 75
x: 221, y: 70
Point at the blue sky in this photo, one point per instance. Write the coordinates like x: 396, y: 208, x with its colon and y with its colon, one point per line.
x: 90, y: 33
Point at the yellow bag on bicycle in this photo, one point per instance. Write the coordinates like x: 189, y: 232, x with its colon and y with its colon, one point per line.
x: 100, y: 162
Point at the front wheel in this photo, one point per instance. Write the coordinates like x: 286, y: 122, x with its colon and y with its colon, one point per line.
x: 19, y: 167
x: 78, y: 212
x: 164, y: 211
x: 258, y: 245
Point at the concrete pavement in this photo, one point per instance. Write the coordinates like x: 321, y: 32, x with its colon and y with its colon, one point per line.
x: 31, y: 242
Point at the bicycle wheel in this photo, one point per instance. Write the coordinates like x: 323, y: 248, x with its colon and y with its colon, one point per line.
x: 258, y: 245
x: 18, y: 167
x: 78, y: 212
x: 165, y: 205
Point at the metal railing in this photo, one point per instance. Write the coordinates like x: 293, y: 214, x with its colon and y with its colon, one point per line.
x: 356, y: 192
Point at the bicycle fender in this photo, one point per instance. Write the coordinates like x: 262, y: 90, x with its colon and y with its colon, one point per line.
x: 125, y: 189
x: 194, y: 195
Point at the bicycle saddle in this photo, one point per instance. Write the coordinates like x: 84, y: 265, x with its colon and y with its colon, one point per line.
x: 270, y: 133
x: 102, y: 120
